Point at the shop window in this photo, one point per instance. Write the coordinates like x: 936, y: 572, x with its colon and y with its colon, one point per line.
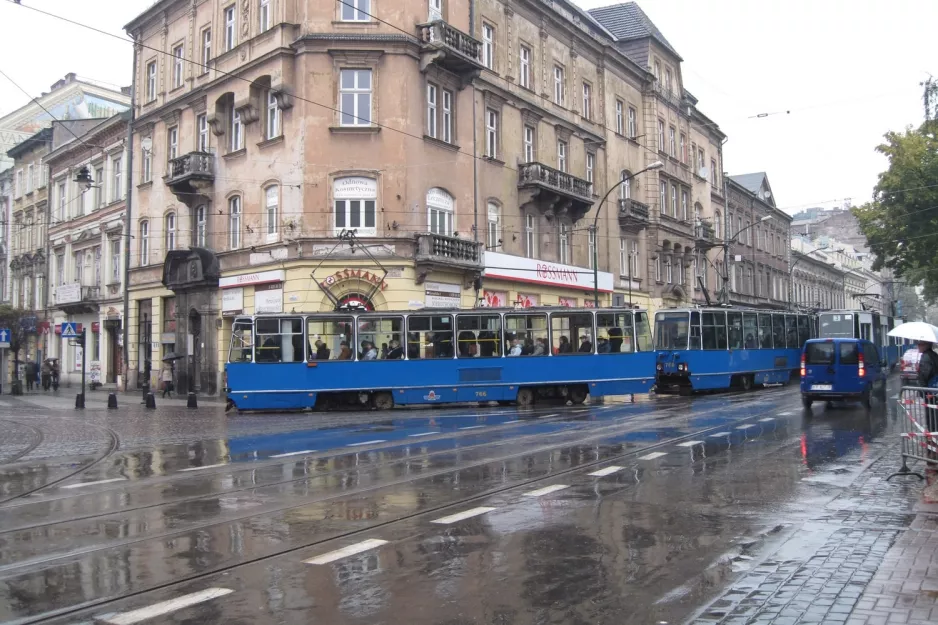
x: 242, y: 341
x: 714, y: 330
x: 330, y: 338
x: 478, y: 336
x: 614, y: 333
x: 524, y: 332
x: 430, y: 336
x: 572, y: 333
x: 280, y: 340
x: 380, y: 338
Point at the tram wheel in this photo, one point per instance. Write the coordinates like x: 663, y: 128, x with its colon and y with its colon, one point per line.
x: 578, y: 394
x: 383, y: 400
x: 746, y: 381
x: 525, y: 397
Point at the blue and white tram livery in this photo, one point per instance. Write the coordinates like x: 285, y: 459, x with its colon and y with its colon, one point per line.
x: 706, y: 349
x: 863, y: 324
x: 383, y: 359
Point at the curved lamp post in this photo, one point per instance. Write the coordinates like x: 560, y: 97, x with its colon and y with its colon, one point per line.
x: 653, y: 166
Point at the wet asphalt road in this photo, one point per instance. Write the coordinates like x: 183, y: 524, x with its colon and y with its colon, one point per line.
x: 616, y: 513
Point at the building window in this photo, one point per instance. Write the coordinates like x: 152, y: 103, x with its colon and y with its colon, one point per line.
x: 667, y: 80
x: 700, y: 160
x: 488, y: 46
x: 151, y: 81
x: 620, y: 118
x: 633, y: 122
x: 661, y: 135
x: 178, y: 60
x: 273, y: 116
x: 672, y: 147
x: 625, y: 185
x: 713, y: 172
x: 657, y: 268
x: 62, y: 202
x: 668, y: 270
x: 264, y: 15
x: 146, y: 173
x: 633, y: 261
x: 30, y: 177
x: 355, y: 10
x: 355, y: 97
x: 564, y: 241
x: 116, y: 173
x: 663, y: 198
x: 530, y: 248
x: 201, y: 226
x: 683, y: 148
x: 562, y: 156
x: 234, y: 222
x: 144, y: 242
x: 558, y: 85
x: 623, y: 257
x: 684, y: 205
x: 591, y: 246
x: 493, y: 227
x: 656, y: 70
x: 355, y: 200
x: 172, y: 142
x: 59, y: 269
x: 739, y: 228
x: 201, y: 123
x: 231, y: 32
x: 590, y: 166
x: 718, y: 226
x: 432, y: 112
x: 748, y: 233
x: 271, y: 209
x: 446, y: 117
x: 206, y: 48
x: 170, y: 236
x: 440, y: 210
x: 491, y: 133
x: 673, y: 201
x: 587, y: 101
x: 237, y: 132
x: 530, y: 137
x: 524, y: 67
x: 99, y: 188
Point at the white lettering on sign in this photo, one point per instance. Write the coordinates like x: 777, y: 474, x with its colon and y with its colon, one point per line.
x: 438, y: 198
x: 355, y: 187
x: 520, y: 269
x: 232, y: 300
x: 260, y: 277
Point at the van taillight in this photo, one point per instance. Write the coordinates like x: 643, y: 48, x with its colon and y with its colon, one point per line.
x: 860, y: 366
x: 804, y: 371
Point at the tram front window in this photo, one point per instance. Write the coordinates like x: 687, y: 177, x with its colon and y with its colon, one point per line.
x: 643, y: 332
x: 242, y: 341
x: 837, y: 326
x: 671, y: 330
x: 279, y: 340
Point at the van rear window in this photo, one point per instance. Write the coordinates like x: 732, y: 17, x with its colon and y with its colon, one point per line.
x: 819, y: 353
x: 848, y: 354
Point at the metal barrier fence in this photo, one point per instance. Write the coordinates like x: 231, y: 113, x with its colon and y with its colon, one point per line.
x: 919, y: 408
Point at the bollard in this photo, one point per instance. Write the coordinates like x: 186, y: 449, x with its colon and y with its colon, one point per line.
x: 112, y: 400
x: 146, y: 391
x: 80, y: 400
x: 192, y: 402
x: 151, y: 400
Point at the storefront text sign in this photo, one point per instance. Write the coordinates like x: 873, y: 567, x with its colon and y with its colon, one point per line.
x: 354, y: 274
x: 443, y: 295
x: 268, y: 298
x: 533, y: 271
x: 260, y: 277
x: 232, y: 301
x: 355, y: 187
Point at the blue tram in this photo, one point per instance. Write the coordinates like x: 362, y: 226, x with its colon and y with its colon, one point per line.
x: 863, y: 324
x: 383, y: 359
x: 701, y: 349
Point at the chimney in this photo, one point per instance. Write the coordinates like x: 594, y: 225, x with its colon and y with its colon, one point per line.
x: 69, y: 78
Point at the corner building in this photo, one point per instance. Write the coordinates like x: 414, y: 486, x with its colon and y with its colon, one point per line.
x: 306, y: 155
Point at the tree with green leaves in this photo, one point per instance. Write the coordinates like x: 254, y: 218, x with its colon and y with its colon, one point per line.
x: 901, y: 223
x: 12, y: 319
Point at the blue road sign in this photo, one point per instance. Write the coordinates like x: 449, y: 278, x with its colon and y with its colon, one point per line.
x: 5, y: 337
x: 69, y: 330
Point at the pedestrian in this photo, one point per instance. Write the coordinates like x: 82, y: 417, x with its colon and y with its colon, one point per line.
x: 46, y: 374
x: 30, y: 374
x: 928, y: 378
x: 166, y: 378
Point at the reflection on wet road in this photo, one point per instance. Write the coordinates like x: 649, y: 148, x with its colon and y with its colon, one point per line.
x: 601, y: 514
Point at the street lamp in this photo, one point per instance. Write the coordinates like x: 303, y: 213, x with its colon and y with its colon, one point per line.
x: 791, y: 270
x: 653, y: 166
x: 726, y: 252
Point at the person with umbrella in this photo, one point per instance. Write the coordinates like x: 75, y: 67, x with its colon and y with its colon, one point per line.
x: 166, y: 374
x: 925, y: 335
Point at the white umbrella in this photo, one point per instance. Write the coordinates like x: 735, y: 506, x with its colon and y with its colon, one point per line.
x: 916, y: 331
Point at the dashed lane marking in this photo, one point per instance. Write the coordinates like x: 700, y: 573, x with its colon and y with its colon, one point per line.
x: 720, y: 434
x: 690, y: 443
x: 767, y: 420
x: 294, y: 453
x: 472, y: 427
x: 460, y: 516
x: 163, y: 607
x: 208, y: 466
x: 606, y: 471
x: 365, y: 443
x: 747, y: 426
x: 344, y: 552
x: 540, y: 492
x: 653, y: 455
x: 83, y: 484
x: 419, y: 434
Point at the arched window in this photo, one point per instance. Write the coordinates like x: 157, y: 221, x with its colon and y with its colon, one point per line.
x: 144, y: 242
x: 201, y: 226
x: 170, y: 234
x: 355, y: 199
x: 625, y: 188
x: 271, y: 211
x: 234, y: 222
x: 440, y: 209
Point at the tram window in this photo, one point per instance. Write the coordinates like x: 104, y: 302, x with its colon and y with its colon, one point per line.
x: 778, y: 330
x: 695, y: 340
x: 524, y: 332
x: 751, y: 331
x: 279, y: 340
x: 242, y: 341
x: 765, y: 331
x: 330, y: 338
x: 478, y: 336
x: 643, y: 332
x: 714, y: 330
x: 734, y: 325
x: 378, y: 338
x: 838, y: 326
x: 430, y: 336
x: 614, y: 334
x: 567, y: 328
x: 804, y: 330
x: 791, y: 332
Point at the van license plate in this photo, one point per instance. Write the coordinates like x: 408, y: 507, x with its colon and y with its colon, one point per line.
x: 821, y: 387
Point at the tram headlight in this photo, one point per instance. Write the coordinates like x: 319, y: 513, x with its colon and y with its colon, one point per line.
x: 660, y: 367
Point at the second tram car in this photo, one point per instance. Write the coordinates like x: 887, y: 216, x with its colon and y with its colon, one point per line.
x: 382, y: 359
x: 700, y: 349
x: 863, y: 324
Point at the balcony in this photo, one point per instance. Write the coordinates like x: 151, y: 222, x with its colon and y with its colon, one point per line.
x: 190, y: 175
x: 704, y: 233
x: 437, y: 250
x: 553, y: 191
x: 632, y: 213
x: 451, y: 49
x: 76, y: 298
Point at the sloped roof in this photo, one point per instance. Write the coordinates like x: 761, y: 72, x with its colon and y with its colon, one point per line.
x: 750, y: 182
x: 627, y: 21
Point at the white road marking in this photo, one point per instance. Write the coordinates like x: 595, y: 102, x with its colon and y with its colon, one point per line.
x: 344, y: 552
x: 556, y: 414
x: 468, y: 514
x: 472, y: 427
x: 784, y: 414
x: 422, y: 434
x: 720, y: 434
x: 690, y: 443
x: 294, y: 453
x: 545, y: 491
x: 747, y: 426
x: 508, y: 422
x: 653, y: 455
x: 606, y: 471
x: 83, y: 484
x: 767, y: 419
x: 163, y: 607
x: 208, y: 466
x: 365, y: 443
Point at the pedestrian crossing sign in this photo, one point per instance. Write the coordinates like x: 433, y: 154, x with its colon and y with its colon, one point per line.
x: 69, y: 330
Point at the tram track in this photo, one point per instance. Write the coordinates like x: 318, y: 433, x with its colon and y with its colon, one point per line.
x: 631, y: 454
x: 36, y: 442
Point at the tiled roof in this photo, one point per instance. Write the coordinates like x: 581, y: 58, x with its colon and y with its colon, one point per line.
x: 750, y: 182
x: 627, y: 21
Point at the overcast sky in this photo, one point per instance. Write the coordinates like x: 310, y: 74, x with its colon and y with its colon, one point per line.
x: 847, y: 70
